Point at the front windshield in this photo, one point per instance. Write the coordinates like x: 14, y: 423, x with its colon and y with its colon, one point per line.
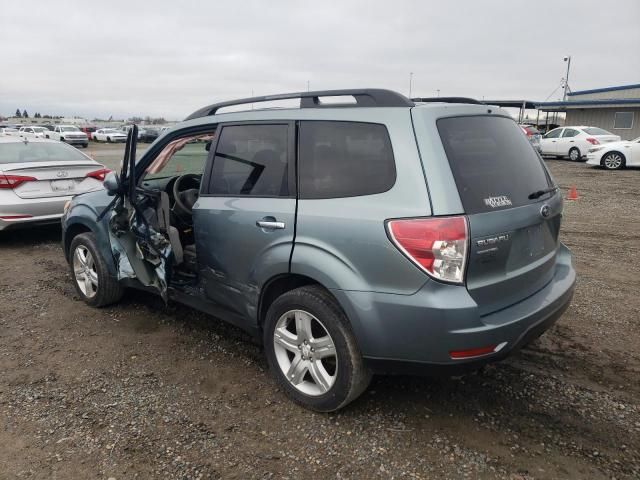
x: 39, y: 129
x: 69, y: 129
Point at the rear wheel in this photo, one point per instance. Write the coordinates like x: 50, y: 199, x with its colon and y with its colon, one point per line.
x: 90, y: 273
x: 574, y: 154
x: 312, y: 351
x: 613, y: 161
x: 108, y: 139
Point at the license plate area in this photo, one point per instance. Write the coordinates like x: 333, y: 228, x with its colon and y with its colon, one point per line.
x: 63, y: 185
x: 536, y: 240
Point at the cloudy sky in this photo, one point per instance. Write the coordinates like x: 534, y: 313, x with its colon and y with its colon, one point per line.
x: 168, y: 58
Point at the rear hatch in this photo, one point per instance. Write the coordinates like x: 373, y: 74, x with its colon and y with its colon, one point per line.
x: 513, y: 232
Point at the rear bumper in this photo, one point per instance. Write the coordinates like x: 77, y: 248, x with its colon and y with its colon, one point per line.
x: 39, y: 211
x: 416, y: 333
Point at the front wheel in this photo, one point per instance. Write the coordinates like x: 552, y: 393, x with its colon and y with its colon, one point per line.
x: 108, y: 139
x: 613, y: 161
x: 574, y: 154
x: 312, y: 351
x: 89, y: 271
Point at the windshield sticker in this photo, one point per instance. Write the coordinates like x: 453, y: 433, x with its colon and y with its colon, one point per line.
x: 500, y: 201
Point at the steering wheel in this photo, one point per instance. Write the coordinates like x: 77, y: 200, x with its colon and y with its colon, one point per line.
x: 185, y: 198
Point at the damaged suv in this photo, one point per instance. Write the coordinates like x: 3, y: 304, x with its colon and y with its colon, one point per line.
x: 360, y: 233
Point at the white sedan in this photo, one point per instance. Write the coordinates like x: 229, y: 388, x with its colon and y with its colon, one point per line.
x: 574, y: 142
x: 616, y: 155
x: 109, y: 135
x: 33, y: 132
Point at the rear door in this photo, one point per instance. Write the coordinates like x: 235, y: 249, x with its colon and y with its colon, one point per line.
x: 244, y: 220
x: 513, y: 230
x: 567, y: 141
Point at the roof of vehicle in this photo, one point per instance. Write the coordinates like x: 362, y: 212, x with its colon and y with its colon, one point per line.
x: 13, y: 139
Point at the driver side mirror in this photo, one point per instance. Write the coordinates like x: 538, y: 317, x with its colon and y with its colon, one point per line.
x: 111, y: 183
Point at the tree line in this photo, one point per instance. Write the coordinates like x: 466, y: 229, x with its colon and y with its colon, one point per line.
x: 25, y: 114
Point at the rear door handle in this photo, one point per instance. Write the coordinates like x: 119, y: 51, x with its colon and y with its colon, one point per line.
x: 270, y: 225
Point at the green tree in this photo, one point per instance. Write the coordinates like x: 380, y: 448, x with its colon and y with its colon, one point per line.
x: 18, y: 114
x: 25, y: 114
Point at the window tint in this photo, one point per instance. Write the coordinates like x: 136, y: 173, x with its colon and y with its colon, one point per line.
x: 569, y: 132
x: 344, y: 159
x: 596, y: 131
x: 554, y: 133
x: 623, y: 120
x: 493, y: 164
x: 251, y: 160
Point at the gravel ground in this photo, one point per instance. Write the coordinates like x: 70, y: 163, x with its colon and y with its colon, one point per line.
x: 138, y: 390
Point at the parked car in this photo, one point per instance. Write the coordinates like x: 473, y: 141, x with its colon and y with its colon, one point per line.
x: 108, y: 135
x: 37, y: 177
x: 315, y: 229
x: 88, y: 131
x: 616, y: 155
x: 147, y: 135
x: 68, y: 134
x: 9, y: 131
x: 32, y: 132
x: 533, y: 135
x: 574, y: 142
x: 48, y: 127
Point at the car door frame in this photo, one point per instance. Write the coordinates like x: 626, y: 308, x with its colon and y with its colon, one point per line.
x: 563, y: 146
x: 251, y: 310
x: 553, y: 140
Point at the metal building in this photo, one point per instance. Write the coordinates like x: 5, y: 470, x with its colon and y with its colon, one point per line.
x: 616, y: 109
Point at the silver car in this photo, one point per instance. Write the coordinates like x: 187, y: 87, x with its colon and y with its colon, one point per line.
x: 38, y: 176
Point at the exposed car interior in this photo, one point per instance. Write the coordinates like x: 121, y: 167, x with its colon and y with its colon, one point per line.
x: 167, y: 193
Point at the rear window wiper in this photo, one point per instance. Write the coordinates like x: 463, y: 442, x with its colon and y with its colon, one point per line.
x: 539, y: 193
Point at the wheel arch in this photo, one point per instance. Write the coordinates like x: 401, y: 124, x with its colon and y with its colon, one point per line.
x: 624, y: 158
x: 71, y: 232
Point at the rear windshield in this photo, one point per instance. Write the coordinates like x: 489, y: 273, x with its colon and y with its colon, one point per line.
x: 493, y: 164
x: 596, y: 131
x: 21, y: 152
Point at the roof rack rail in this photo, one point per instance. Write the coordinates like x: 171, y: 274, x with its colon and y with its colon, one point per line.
x: 368, y: 97
x: 448, y: 100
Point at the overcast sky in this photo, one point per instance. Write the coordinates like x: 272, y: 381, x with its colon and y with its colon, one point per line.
x: 168, y: 58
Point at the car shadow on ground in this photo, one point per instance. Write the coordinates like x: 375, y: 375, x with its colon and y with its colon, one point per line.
x: 32, y: 236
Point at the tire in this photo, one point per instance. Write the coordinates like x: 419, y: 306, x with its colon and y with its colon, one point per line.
x: 574, y: 154
x: 331, y: 371
x: 47, y: 136
x: 62, y: 139
x: 85, y: 145
x: 108, y: 139
x: 84, y: 253
x: 613, y: 161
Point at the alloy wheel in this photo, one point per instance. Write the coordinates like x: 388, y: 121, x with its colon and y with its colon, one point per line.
x: 84, y: 268
x: 305, y: 352
x: 574, y: 155
x: 613, y: 161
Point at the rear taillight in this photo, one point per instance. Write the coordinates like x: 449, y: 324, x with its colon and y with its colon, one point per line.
x: 593, y: 141
x: 13, y: 181
x: 98, y: 174
x: 437, y: 245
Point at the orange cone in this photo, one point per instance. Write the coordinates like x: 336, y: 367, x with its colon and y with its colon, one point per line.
x: 572, y: 194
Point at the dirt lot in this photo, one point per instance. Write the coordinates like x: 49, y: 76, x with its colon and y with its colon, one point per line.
x: 139, y: 390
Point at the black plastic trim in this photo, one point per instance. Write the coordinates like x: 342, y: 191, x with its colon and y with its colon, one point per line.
x: 367, y: 97
x: 448, y: 100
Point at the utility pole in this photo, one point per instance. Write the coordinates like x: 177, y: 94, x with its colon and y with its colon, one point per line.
x: 566, y: 78
x: 410, y: 83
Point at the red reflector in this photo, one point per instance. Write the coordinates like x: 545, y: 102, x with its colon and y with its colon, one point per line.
x: 472, y: 352
x: 593, y: 141
x: 98, y: 174
x: 14, y: 217
x: 13, y: 181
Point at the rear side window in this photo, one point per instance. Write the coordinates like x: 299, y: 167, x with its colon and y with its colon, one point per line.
x: 344, y: 159
x: 493, y: 164
x: 251, y: 160
x: 596, y: 131
x: 554, y: 133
